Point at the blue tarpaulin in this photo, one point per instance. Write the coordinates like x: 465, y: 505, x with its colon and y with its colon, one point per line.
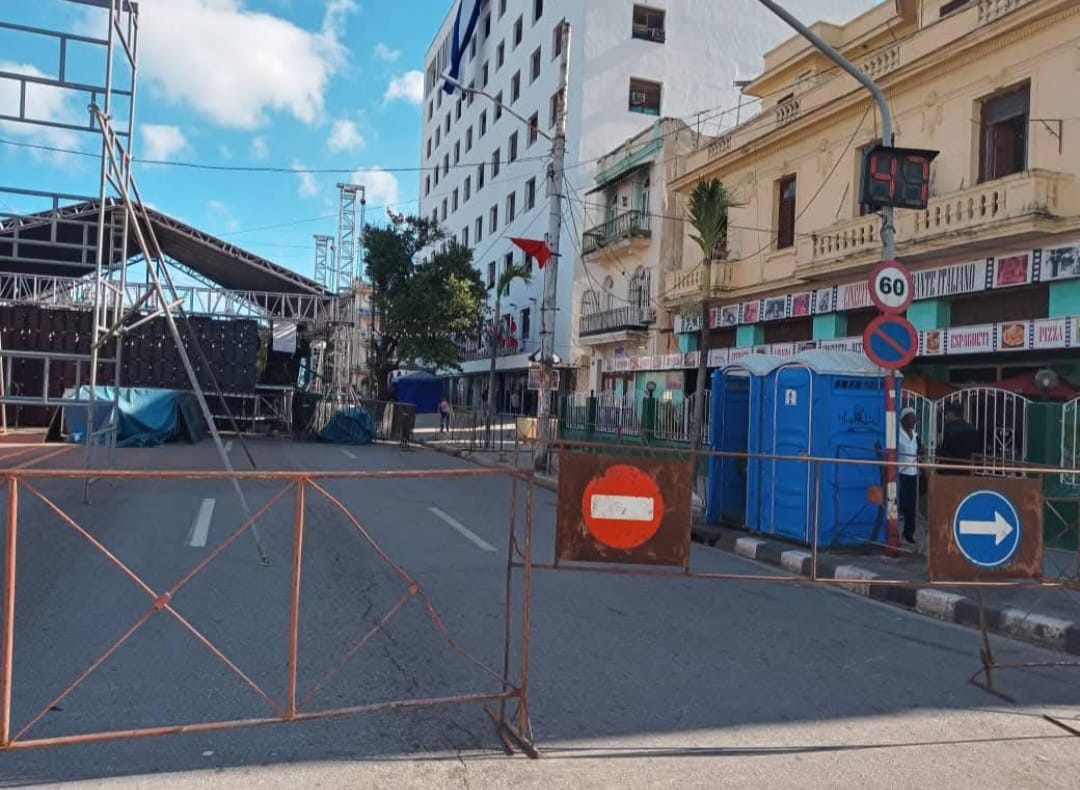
x: 349, y: 426
x: 148, y: 417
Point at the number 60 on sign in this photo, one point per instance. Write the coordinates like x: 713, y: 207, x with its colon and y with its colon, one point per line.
x: 891, y: 287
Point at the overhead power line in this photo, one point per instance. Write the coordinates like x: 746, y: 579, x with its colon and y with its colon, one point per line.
x: 250, y: 168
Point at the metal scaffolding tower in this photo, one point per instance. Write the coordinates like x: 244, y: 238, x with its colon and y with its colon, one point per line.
x: 324, y: 259
x: 345, y: 269
x: 120, y: 216
x: 345, y: 329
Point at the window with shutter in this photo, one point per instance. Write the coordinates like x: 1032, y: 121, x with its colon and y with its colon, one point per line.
x: 785, y: 220
x: 1004, y: 134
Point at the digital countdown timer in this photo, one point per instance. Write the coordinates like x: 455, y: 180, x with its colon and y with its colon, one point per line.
x: 897, y: 177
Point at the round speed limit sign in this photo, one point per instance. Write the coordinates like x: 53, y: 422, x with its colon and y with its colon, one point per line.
x: 891, y: 287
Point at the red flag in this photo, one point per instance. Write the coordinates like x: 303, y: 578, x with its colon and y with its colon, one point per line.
x: 537, y: 248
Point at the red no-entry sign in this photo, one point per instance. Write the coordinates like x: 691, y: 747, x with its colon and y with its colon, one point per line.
x: 624, y: 508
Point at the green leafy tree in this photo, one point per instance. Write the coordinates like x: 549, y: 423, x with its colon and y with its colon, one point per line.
x: 419, y: 307
x: 708, y: 216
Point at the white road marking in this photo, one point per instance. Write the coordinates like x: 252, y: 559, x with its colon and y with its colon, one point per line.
x: 200, y: 530
x: 625, y: 508
x: 464, y: 531
x: 228, y: 446
x: 349, y: 455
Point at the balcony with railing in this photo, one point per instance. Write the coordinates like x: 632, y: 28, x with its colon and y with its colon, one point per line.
x: 1025, y: 203
x: 632, y: 224
x: 619, y: 319
x: 473, y: 351
x: 686, y: 284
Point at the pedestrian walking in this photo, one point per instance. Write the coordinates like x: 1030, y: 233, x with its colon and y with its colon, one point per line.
x: 515, y: 402
x: 445, y: 410
x: 908, y: 450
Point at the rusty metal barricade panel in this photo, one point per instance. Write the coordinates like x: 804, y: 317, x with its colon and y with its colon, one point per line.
x: 985, y: 528
x: 623, y: 509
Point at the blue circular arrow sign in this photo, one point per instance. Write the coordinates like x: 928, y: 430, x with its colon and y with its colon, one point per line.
x: 987, y: 529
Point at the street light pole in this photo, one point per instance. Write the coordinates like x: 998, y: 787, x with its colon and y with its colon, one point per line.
x: 888, y: 248
x: 551, y: 271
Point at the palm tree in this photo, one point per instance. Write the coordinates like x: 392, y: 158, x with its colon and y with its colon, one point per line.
x: 502, y: 288
x: 708, y: 216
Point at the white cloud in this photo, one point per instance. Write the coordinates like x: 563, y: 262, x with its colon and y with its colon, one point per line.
x: 224, y: 151
x: 234, y: 65
x: 43, y: 103
x: 380, y: 186
x: 309, y: 185
x: 161, y: 141
x: 220, y: 214
x: 344, y: 136
x: 260, y: 149
x: 409, y: 86
x: 383, y: 52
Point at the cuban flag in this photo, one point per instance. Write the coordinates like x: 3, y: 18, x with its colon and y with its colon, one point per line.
x: 461, y: 41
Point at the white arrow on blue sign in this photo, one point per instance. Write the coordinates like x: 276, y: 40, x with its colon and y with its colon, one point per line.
x: 987, y: 529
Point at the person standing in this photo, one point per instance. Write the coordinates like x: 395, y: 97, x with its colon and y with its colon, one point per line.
x: 908, y: 450
x: 515, y: 402
x: 958, y: 439
x: 445, y: 410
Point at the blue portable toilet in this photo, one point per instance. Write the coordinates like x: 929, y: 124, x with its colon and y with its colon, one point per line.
x: 734, y: 388
x: 824, y: 405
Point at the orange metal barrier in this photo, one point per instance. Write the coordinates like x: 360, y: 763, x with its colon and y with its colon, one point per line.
x: 513, y: 728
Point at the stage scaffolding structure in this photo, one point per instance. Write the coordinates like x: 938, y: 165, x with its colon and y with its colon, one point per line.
x: 118, y: 218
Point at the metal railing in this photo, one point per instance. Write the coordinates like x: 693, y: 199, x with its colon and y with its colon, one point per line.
x: 623, y: 226
x: 298, y: 697
x: 617, y: 414
x: 626, y: 415
x: 620, y: 318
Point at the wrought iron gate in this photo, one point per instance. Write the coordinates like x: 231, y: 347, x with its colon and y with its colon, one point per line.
x: 1000, y: 420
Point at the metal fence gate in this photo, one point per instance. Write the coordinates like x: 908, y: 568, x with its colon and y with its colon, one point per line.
x: 1070, y: 447
x: 1000, y: 420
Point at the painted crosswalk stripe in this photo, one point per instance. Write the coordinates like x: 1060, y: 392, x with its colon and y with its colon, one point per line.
x: 200, y: 529
x: 464, y: 531
x: 349, y: 455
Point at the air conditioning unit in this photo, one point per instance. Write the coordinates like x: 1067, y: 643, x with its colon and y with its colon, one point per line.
x: 656, y: 33
x: 638, y: 97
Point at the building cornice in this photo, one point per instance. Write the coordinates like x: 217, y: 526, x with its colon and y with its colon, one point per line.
x: 1026, y: 21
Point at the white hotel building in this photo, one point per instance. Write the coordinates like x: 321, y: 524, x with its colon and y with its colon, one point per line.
x: 630, y: 63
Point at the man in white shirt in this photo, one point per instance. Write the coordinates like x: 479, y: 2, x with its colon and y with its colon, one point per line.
x: 907, y: 454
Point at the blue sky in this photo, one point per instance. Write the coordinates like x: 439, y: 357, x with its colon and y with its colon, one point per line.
x: 261, y: 83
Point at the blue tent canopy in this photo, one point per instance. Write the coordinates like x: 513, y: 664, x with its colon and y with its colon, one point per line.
x: 422, y: 390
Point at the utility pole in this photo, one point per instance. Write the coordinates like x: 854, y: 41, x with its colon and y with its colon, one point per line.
x: 888, y: 248
x: 551, y: 271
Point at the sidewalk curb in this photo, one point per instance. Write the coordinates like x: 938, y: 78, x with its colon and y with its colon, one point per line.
x: 1044, y: 630
x: 543, y: 481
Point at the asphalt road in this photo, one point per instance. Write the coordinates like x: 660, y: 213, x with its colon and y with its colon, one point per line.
x: 635, y: 682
